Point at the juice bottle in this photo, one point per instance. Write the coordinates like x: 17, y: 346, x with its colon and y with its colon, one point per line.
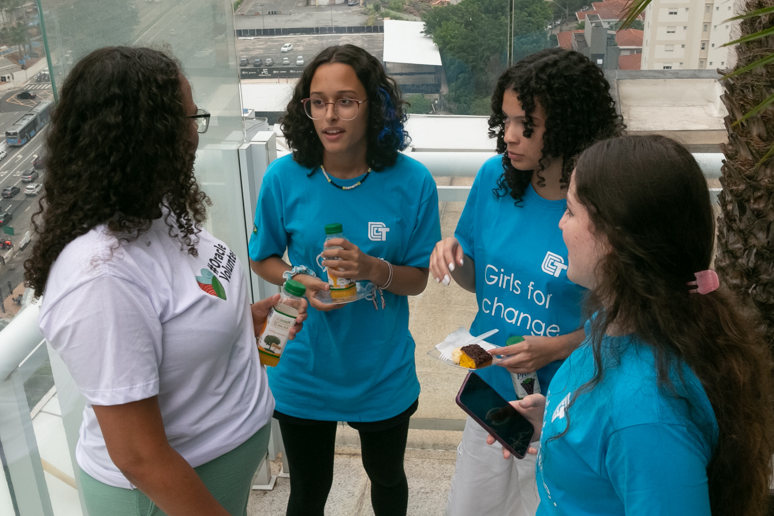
x: 281, y: 318
x: 341, y: 288
x: 524, y: 383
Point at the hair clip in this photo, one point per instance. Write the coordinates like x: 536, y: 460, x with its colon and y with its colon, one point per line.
x: 706, y: 282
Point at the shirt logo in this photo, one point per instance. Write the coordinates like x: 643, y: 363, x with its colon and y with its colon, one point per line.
x: 559, y: 412
x: 553, y: 264
x: 209, y: 283
x: 377, y: 231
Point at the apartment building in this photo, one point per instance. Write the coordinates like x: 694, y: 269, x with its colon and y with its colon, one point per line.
x: 687, y: 34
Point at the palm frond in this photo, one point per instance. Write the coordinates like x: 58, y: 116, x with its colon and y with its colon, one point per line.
x: 752, y: 14
x: 757, y: 109
x: 760, y: 62
x: 632, y: 10
x: 751, y: 37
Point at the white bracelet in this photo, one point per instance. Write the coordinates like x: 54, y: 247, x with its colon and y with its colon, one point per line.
x: 300, y: 269
x: 389, y: 278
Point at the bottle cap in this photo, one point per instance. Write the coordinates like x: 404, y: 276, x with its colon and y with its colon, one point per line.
x: 514, y: 340
x: 332, y: 229
x: 294, y: 287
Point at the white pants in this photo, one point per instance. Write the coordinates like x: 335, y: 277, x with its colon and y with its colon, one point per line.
x: 485, y: 484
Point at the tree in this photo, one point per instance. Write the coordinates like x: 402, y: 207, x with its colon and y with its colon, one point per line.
x: 471, y: 37
x: 745, y: 247
x: 419, y: 104
x: 271, y: 340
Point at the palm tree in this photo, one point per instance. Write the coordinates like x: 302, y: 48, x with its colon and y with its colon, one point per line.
x: 745, y: 246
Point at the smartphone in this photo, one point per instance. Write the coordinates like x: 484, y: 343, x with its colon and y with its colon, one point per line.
x: 496, y: 415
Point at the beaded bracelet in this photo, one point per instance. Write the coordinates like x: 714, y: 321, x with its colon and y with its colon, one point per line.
x: 300, y: 269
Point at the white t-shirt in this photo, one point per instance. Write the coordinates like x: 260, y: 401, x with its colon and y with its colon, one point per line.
x: 145, y: 318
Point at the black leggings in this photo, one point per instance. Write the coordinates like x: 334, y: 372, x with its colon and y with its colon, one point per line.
x: 309, y: 446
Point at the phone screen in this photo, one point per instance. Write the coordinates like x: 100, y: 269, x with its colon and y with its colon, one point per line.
x: 496, y: 415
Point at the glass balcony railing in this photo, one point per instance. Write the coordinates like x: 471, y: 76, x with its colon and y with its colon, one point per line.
x: 447, y: 74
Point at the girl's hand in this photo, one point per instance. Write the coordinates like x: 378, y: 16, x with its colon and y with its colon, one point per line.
x: 260, y: 312
x: 527, y: 356
x: 313, y: 286
x: 532, y: 407
x: 352, y: 263
x: 447, y: 255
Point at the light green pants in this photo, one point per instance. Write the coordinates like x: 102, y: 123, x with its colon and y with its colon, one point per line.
x: 228, y: 478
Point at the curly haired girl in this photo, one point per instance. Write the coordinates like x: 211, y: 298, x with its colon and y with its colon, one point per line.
x: 508, y: 250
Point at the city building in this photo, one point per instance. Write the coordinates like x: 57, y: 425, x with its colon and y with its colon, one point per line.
x: 687, y: 34
x: 411, y: 57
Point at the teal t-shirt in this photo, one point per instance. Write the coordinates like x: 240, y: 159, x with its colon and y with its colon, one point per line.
x: 630, y: 450
x: 521, y: 269
x: 355, y: 363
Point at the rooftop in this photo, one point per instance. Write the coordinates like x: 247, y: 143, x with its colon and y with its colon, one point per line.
x: 630, y: 62
x: 629, y: 38
x: 608, y: 11
x: 404, y: 42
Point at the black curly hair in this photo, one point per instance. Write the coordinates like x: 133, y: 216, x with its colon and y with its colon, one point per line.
x: 385, y: 134
x: 574, y: 95
x: 119, y: 145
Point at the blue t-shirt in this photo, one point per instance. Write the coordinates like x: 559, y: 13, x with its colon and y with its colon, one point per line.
x: 354, y: 363
x: 521, y: 269
x: 629, y: 449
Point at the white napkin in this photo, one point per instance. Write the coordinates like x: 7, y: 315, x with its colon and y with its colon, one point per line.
x: 458, y: 338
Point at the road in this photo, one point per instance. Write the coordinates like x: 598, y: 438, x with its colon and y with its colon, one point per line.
x: 307, y: 45
x: 17, y: 161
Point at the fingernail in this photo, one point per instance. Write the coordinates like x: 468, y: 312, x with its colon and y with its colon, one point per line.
x: 446, y: 280
x: 451, y: 266
x: 460, y: 262
x: 437, y: 280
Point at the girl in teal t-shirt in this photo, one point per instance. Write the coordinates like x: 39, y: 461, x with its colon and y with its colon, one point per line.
x: 666, y: 407
x: 352, y: 362
x: 508, y: 249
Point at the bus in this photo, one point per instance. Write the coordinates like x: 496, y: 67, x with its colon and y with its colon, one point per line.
x: 28, y: 125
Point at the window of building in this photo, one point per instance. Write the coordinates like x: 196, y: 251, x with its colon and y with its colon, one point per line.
x: 671, y: 30
x: 682, y: 46
x: 722, y: 63
x: 726, y: 26
x: 710, y: 63
x: 714, y: 26
x: 667, y: 67
x: 702, y: 63
x: 669, y: 48
x: 713, y: 45
x: 717, y: 8
x: 672, y: 11
x: 706, y: 27
x: 707, y: 8
x: 704, y: 45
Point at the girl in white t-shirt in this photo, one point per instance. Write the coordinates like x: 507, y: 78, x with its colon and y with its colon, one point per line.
x: 149, y: 311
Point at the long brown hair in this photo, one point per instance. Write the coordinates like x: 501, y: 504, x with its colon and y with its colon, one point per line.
x: 647, y: 196
x: 119, y: 144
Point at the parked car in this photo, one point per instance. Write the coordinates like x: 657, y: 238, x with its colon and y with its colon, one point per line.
x: 10, y: 191
x: 243, y: 61
x: 287, y: 47
x: 30, y: 176
x: 26, y: 95
x: 300, y: 61
x: 39, y: 162
x: 353, y: 2
x: 269, y: 61
x: 32, y: 189
x: 5, y: 218
x: 257, y: 62
x: 285, y: 61
x: 3, y: 154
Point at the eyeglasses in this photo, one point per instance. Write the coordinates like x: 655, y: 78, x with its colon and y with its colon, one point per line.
x: 202, y: 118
x: 345, y: 109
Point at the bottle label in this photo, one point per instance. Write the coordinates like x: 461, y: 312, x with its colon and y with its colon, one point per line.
x: 525, y: 384
x: 275, y: 334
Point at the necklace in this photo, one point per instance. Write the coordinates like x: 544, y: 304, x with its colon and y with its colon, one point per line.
x: 345, y: 187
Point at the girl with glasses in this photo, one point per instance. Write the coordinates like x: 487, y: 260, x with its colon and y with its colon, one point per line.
x: 160, y: 341
x: 356, y: 362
